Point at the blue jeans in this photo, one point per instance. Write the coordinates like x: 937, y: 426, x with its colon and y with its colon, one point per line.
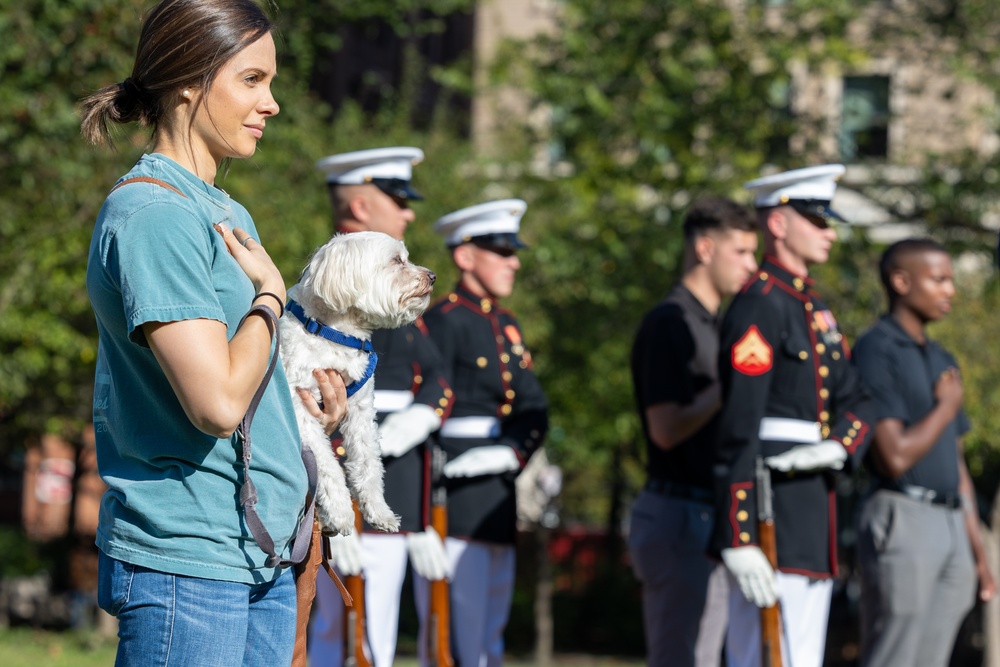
x: 167, y: 619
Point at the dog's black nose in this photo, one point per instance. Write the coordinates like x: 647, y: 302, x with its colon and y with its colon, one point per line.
x: 431, y: 277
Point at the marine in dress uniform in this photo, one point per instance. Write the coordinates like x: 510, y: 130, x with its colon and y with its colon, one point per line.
x: 919, y: 543
x: 790, y: 396
x: 498, y: 420
x: 371, y: 190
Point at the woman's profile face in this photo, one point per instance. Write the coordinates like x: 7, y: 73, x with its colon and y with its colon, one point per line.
x: 232, y: 116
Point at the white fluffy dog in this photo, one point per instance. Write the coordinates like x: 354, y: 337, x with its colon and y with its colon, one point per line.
x: 354, y: 284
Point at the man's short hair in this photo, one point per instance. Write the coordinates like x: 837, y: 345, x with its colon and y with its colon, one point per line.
x: 716, y: 214
x: 340, y: 201
x: 892, y: 258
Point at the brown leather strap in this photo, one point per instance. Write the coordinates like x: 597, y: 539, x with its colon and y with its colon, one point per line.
x: 305, y: 593
x: 305, y: 590
x: 149, y: 179
x: 348, y: 600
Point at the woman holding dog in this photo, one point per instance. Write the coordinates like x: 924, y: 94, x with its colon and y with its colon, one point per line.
x: 175, y: 266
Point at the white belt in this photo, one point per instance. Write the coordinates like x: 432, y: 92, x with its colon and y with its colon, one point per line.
x: 471, y: 427
x: 392, y: 401
x: 789, y: 430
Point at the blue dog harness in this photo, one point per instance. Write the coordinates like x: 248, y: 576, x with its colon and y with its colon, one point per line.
x: 319, y: 329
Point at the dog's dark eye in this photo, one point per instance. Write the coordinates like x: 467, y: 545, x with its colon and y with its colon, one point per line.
x: 398, y: 259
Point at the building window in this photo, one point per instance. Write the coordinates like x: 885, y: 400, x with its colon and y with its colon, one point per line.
x: 864, y: 118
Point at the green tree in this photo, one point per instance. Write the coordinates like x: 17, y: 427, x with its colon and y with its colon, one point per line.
x: 650, y: 105
x: 51, y: 54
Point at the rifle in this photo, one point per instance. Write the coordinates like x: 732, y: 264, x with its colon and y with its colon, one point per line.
x: 770, y: 617
x: 439, y: 634
x: 354, y: 616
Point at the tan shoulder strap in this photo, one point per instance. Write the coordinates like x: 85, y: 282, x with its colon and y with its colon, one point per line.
x: 149, y: 179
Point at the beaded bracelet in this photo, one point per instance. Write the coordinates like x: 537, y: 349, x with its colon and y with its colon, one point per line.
x: 274, y: 296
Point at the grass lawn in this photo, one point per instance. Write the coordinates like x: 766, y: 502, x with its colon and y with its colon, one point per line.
x: 25, y: 647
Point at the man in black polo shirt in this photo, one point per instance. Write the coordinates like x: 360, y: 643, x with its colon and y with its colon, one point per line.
x: 919, y: 542
x: 674, y: 368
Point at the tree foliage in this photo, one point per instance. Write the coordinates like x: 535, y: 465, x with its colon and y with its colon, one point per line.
x: 51, y: 54
x: 650, y: 105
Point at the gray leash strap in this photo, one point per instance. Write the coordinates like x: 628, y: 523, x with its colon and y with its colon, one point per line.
x: 248, y: 492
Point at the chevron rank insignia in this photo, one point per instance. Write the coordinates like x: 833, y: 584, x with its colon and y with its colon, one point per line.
x: 752, y: 355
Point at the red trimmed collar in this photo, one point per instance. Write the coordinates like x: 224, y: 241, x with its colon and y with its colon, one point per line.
x: 483, y: 303
x: 775, y: 268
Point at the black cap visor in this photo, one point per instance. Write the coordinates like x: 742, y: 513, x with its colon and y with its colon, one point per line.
x: 398, y: 188
x: 503, y: 241
x: 817, y: 211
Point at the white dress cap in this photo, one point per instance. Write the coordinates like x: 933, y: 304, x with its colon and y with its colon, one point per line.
x: 807, y: 185
x: 360, y: 167
x: 500, y: 219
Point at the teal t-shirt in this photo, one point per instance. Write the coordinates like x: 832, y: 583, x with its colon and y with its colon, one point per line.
x: 173, y: 492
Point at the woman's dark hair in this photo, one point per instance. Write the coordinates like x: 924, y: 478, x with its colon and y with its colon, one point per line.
x: 184, y: 43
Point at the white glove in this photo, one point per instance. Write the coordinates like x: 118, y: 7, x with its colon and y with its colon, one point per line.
x: 427, y: 554
x: 402, y: 431
x: 550, y: 480
x: 345, y: 553
x: 488, y: 460
x: 753, y: 573
x: 826, y: 454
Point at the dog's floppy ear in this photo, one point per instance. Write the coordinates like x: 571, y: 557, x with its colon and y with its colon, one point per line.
x: 333, y: 274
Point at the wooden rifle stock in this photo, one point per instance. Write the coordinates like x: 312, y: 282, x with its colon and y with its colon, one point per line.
x: 354, y: 616
x: 770, y: 617
x: 439, y: 630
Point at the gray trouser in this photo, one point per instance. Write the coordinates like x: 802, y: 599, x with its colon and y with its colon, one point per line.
x: 918, y: 581
x: 684, y: 594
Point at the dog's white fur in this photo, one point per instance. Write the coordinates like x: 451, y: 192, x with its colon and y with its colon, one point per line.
x: 355, y: 283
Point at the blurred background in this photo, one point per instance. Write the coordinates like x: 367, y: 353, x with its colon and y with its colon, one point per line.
x: 608, y: 118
